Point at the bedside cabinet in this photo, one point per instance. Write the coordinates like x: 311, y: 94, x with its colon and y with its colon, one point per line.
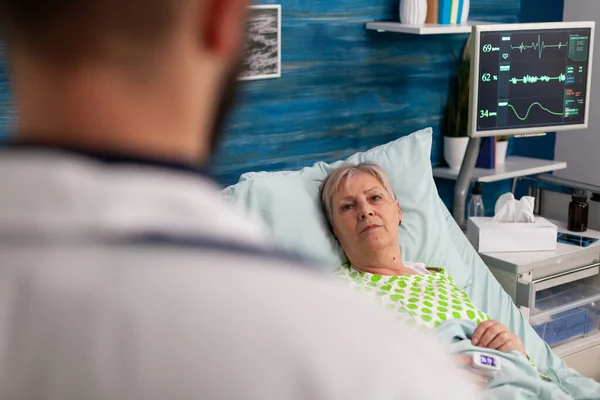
x: 559, y: 294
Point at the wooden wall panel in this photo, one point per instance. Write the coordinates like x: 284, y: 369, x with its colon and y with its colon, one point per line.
x: 343, y: 88
x: 5, y: 99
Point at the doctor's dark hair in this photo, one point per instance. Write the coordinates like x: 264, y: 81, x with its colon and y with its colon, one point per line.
x: 342, y: 175
x: 61, y: 31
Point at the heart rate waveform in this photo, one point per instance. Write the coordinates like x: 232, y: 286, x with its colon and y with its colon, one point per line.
x: 535, y: 79
x: 540, y: 46
x: 529, y: 110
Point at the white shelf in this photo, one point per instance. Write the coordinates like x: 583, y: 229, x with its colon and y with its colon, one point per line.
x: 424, y: 29
x: 513, y: 167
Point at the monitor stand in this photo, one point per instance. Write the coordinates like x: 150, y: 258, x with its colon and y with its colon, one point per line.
x: 463, y: 182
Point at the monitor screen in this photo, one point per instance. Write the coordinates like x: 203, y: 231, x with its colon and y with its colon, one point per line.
x: 530, y: 78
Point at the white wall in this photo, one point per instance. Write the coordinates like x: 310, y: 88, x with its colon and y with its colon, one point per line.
x: 556, y: 206
x: 581, y: 149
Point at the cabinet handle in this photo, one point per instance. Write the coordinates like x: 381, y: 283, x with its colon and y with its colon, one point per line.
x: 592, y: 269
x: 526, y: 291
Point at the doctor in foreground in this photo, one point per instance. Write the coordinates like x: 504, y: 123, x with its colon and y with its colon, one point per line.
x: 122, y: 275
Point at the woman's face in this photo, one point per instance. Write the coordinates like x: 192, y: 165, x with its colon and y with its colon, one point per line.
x: 365, y: 216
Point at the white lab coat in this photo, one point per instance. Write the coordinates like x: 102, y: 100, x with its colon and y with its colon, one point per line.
x: 89, y: 309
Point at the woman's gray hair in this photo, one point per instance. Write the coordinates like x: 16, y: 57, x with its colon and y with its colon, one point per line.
x: 343, y: 174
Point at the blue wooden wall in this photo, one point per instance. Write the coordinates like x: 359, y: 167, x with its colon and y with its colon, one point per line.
x: 344, y: 89
x: 5, y: 98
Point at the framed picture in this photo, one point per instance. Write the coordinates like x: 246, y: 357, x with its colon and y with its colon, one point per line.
x: 262, y: 51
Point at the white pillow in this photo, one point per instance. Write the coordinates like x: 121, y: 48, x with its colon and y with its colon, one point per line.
x: 288, y: 204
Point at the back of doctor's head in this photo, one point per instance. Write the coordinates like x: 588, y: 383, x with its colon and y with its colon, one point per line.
x: 169, y: 65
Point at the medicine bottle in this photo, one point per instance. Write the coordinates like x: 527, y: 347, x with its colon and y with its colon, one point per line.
x: 476, y: 208
x: 578, y: 212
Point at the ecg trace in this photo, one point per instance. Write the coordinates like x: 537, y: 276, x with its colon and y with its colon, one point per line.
x: 529, y: 110
x: 536, y: 79
x: 540, y: 46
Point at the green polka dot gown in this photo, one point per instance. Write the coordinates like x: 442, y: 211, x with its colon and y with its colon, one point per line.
x: 422, y: 300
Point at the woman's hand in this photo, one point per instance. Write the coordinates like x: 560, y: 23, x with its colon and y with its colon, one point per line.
x: 493, y: 335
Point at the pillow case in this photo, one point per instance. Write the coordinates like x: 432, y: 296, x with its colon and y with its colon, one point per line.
x: 288, y: 204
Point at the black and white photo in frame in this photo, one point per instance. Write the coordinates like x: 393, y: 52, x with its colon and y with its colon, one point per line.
x: 262, y: 50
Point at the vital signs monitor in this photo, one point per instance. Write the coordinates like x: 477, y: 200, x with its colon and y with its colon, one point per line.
x: 530, y: 78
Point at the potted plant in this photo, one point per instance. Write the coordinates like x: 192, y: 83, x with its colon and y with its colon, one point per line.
x: 457, y: 113
x: 501, y: 148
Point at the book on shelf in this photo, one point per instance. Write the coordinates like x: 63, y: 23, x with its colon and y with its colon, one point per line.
x: 448, y: 11
x: 487, y: 153
x: 432, y: 12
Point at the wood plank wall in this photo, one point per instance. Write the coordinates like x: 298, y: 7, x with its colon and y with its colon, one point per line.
x: 5, y: 98
x: 344, y: 89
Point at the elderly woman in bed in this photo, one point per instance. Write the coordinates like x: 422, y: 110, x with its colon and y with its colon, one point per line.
x: 364, y: 216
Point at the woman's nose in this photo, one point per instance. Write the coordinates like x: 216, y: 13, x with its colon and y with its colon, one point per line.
x: 366, y: 212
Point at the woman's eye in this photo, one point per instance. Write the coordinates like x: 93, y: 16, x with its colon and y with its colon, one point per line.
x: 346, y: 207
x: 376, y: 197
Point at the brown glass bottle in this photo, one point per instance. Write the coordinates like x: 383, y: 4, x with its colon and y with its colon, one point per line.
x: 578, y: 212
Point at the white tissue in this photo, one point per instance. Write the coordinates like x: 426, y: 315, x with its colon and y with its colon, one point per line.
x: 510, y: 210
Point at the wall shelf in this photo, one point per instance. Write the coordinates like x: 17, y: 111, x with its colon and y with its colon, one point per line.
x: 514, y: 167
x: 424, y: 29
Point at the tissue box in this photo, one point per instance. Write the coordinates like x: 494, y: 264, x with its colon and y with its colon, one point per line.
x: 495, y: 237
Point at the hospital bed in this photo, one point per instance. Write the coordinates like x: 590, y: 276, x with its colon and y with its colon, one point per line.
x: 287, y: 203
